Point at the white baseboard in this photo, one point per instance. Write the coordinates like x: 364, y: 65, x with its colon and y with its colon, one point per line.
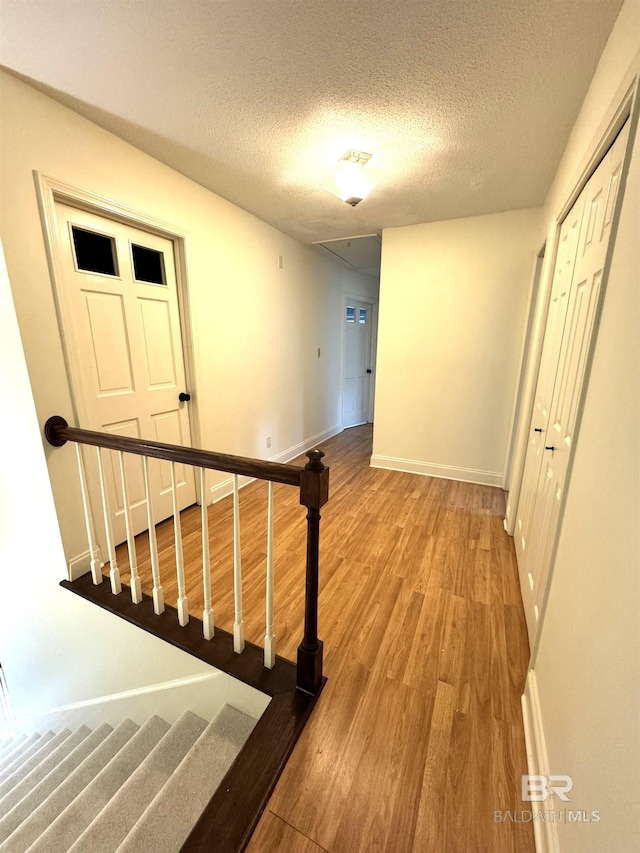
x: 307, y: 444
x: 225, y: 488
x: 509, y: 519
x: 545, y: 832
x: 81, y: 565
x: 203, y: 694
x: 431, y: 469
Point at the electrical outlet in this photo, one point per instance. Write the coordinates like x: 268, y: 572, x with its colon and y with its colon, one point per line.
x: 268, y: 441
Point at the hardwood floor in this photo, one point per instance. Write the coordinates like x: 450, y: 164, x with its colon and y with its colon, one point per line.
x: 417, y: 738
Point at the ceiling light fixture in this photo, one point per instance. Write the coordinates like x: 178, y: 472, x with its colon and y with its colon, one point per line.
x: 349, y: 181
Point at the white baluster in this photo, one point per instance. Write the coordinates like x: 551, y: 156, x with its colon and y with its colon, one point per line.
x: 134, y: 580
x: 114, y: 571
x: 238, y: 625
x: 158, y: 595
x: 269, y: 639
x: 183, y: 605
x: 7, y: 721
x: 96, y: 574
x: 207, y: 613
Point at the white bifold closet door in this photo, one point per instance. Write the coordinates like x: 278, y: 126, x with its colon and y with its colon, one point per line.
x: 575, y: 295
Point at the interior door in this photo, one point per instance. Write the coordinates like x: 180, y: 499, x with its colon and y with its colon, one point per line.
x: 558, y: 438
x: 357, y: 362
x: 601, y: 195
x: 562, y: 277
x: 121, y: 319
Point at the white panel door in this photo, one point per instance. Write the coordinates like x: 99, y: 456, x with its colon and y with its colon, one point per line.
x: 121, y: 320
x: 558, y: 439
x: 357, y: 367
x: 562, y: 277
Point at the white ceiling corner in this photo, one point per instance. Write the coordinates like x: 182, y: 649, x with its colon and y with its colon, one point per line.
x: 466, y: 107
x: 358, y: 253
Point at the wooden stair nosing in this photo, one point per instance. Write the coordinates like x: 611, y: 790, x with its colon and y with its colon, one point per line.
x: 218, y: 652
x: 235, y: 809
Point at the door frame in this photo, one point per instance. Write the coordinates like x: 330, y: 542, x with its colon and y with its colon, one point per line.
x: 530, y: 356
x: 626, y: 106
x: 50, y: 192
x: 373, y: 350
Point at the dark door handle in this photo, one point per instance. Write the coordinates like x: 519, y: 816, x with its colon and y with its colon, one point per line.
x: 368, y: 371
x: 184, y: 397
x: 537, y: 429
x: 549, y: 447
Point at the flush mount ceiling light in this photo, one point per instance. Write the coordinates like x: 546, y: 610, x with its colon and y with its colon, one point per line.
x: 349, y: 180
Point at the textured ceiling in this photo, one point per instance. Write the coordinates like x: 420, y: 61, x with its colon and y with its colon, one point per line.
x: 357, y: 253
x: 465, y: 104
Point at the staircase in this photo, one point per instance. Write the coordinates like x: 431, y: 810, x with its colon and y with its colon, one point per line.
x: 157, y: 787
x: 129, y: 789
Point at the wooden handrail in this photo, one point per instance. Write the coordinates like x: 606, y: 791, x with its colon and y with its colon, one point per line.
x: 58, y: 432
x: 312, y: 480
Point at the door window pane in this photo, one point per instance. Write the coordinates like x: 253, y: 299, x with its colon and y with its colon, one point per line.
x: 351, y: 314
x: 94, y: 252
x: 148, y: 265
x: 362, y: 315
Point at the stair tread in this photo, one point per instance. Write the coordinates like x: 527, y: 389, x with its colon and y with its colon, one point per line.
x: 14, y: 755
x: 68, y: 826
x: 45, y: 814
x: 130, y: 789
x: 53, y: 758
x: 166, y: 823
x: 10, y: 745
x: 16, y: 772
x: 61, y: 767
x: 113, y: 823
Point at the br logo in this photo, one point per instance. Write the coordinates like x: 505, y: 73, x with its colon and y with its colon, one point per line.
x: 537, y: 788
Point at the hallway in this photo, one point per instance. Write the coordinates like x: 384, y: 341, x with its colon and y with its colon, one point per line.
x: 417, y: 738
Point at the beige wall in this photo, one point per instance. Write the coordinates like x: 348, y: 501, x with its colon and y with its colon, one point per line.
x: 587, y: 668
x: 256, y: 328
x: 453, y: 300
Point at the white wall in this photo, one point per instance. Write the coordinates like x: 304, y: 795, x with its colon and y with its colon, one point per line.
x: 611, y: 80
x: 453, y: 299
x: 257, y: 328
x: 587, y: 667
x: 55, y: 648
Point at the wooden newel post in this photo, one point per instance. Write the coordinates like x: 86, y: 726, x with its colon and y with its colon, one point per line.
x: 314, y: 493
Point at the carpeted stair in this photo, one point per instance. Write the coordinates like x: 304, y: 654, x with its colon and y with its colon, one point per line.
x: 131, y: 789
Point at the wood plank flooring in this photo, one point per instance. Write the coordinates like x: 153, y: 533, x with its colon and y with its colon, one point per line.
x: 417, y: 738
